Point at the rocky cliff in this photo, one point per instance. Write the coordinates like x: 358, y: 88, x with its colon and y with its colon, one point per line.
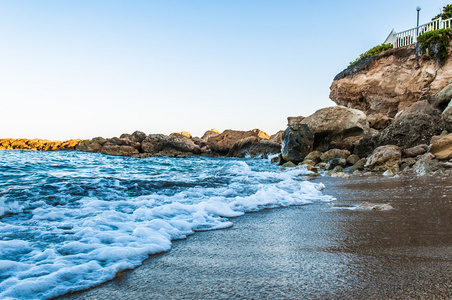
x: 390, y: 82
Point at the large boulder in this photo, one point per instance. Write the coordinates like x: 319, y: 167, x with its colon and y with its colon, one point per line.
x: 335, y: 123
x: 223, y: 142
x: 384, y: 158
x: 414, y: 126
x: 297, y: 143
x: 442, y: 149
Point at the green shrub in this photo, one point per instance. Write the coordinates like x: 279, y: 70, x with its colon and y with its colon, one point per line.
x: 446, y: 14
x: 435, y: 43
x: 374, y: 51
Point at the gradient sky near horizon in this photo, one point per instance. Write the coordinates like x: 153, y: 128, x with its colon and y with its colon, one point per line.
x: 80, y: 69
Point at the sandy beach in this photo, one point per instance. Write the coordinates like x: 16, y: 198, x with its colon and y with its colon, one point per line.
x: 318, y: 251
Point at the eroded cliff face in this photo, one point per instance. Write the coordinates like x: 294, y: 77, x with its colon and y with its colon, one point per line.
x: 390, y: 82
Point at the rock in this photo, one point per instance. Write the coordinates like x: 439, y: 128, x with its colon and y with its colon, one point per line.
x: 384, y: 158
x: 314, y: 156
x: 334, y: 153
x: 333, y: 163
x: 154, y: 143
x: 288, y: 164
x: 388, y: 173
x: 352, y: 159
x: 307, y: 162
x: 90, y: 145
x: 348, y: 143
x: 443, y: 97
x: 415, y: 151
x: 414, y: 126
x: 375, y: 207
x: 276, y: 138
x: 335, y: 124
x: 442, y: 149
x: 340, y: 175
x: 361, y: 163
x: 321, y: 165
x: 379, y: 121
x: 407, y: 163
x: 366, y: 145
x: 390, y: 82
x: 182, y: 144
x: 223, y: 142
x: 297, y: 143
x: 210, y: 133
x: 138, y: 136
x: 120, y: 150
x: 183, y: 133
x: 447, y: 116
x: 254, y: 147
x: 426, y: 165
x: 293, y: 120
x: 126, y: 136
x: 436, y: 138
x: 311, y: 168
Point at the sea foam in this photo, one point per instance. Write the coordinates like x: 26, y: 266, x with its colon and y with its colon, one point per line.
x: 72, y: 220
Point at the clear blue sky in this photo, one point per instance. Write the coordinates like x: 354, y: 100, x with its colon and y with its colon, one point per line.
x: 80, y: 69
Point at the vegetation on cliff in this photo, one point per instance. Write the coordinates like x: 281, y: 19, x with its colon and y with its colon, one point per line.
x: 446, y: 14
x: 374, y: 51
x: 435, y: 44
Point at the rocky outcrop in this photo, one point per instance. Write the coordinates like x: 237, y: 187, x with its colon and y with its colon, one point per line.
x: 223, y: 142
x: 390, y: 82
x: 38, y: 144
x: 336, y: 124
x: 297, y: 143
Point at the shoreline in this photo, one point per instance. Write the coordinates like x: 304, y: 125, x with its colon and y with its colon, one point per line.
x: 320, y: 250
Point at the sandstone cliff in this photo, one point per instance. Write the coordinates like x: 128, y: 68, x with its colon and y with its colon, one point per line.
x: 390, y: 82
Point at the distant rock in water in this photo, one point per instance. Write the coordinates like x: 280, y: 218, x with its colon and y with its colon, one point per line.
x: 38, y: 144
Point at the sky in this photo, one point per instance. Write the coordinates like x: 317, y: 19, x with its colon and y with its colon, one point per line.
x: 81, y: 69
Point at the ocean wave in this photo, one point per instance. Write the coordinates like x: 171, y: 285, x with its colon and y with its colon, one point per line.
x: 71, y: 220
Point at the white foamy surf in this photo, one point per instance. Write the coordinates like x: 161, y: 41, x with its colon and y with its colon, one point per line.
x: 72, y: 220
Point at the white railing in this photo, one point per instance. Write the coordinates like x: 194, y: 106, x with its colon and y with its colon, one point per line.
x: 409, y: 37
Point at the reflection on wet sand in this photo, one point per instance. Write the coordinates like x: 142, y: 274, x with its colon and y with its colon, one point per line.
x: 317, y: 251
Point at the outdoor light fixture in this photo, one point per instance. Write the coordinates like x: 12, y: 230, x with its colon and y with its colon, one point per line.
x: 417, y: 27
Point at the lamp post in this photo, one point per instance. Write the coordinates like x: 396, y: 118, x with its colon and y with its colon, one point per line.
x: 417, y: 27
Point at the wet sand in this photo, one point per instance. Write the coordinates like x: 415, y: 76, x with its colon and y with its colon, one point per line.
x: 317, y: 251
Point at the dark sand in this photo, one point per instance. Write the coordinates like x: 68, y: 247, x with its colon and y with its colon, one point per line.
x: 315, y: 251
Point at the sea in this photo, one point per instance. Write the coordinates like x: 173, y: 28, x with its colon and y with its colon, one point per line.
x: 71, y: 220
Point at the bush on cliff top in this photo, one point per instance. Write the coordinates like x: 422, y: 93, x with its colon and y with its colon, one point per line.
x: 374, y: 51
x: 446, y: 14
x: 435, y: 44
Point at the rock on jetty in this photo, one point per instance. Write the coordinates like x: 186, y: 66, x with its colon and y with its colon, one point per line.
x: 182, y: 144
x: 38, y: 144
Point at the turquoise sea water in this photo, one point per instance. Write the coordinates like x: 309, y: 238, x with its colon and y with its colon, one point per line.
x: 71, y: 220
